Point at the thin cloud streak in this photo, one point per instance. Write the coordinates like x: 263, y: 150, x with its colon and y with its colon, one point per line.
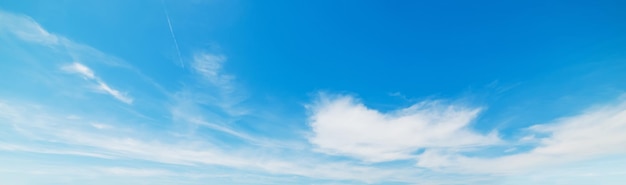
x: 80, y: 69
x: 169, y: 24
x: 115, y: 93
x: 101, y: 86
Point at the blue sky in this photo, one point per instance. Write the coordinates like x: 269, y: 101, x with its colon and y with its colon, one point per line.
x: 312, y: 92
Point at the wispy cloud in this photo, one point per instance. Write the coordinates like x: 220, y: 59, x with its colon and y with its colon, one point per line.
x: 343, y: 126
x: 209, y: 67
x: 596, y: 132
x: 27, y: 29
x: 52, y: 127
x: 88, y: 74
x: 141, y: 172
x: 217, y: 86
x: 115, y: 93
x: 80, y: 69
x: 20, y: 148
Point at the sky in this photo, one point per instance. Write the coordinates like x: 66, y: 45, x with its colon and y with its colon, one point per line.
x: 233, y: 92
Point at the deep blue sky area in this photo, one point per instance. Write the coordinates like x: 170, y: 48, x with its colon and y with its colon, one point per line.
x: 313, y: 92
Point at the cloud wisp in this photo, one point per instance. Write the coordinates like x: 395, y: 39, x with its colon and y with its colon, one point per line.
x: 49, y: 126
x: 101, y: 86
x: 209, y: 67
x: 596, y: 132
x: 27, y: 29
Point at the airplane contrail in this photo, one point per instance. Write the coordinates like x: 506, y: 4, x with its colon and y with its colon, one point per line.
x: 169, y: 23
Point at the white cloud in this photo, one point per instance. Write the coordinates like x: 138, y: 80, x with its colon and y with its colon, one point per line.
x: 115, y: 93
x: 193, y: 116
x: 141, y: 172
x: 101, y: 126
x: 595, y: 133
x: 94, y: 142
x: 14, y: 147
x: 26, y: 28
x: 214, y: 87
x: 209, y: 66
x: 101, y: 86
x: 343, y: 126
x: 80, y: 69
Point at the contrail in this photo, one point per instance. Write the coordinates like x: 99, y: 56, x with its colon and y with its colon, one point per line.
x: 169, y: 23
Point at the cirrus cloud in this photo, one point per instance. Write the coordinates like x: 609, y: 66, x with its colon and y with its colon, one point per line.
x: 596, y: 132
x: 101, y: 86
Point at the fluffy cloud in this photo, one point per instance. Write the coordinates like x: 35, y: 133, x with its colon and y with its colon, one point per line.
x: 343, y: 126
